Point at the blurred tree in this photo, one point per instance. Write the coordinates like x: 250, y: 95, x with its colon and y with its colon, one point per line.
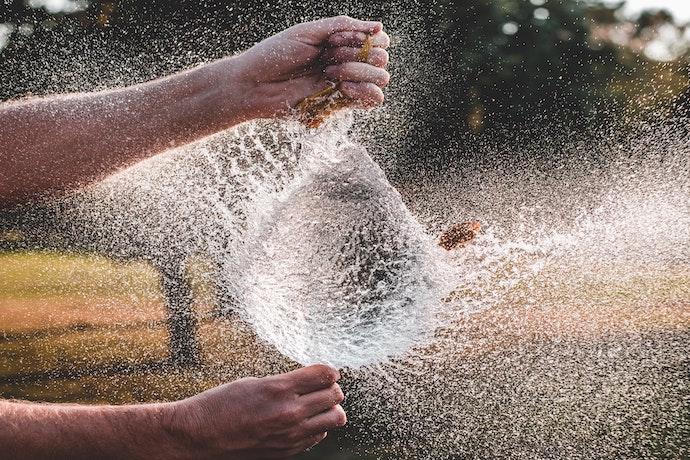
x: 516, y: 61
x: 652, y: 63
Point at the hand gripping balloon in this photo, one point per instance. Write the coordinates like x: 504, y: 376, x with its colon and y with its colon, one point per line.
x: 313, y: 110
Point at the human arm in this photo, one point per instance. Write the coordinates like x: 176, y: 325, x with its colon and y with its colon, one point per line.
x: 54, y: 144
x: 272, y: 417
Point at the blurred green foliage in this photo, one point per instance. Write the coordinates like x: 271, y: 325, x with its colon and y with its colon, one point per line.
x: 517, y: 64
x: 514, y: 59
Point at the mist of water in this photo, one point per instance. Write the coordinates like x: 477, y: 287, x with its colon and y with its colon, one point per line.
x: 566, y: 333
x: 563, y: 327
x: 561, y: 331
x: 337, y: 270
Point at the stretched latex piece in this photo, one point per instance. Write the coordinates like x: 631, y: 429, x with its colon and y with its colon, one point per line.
x: 459, y: 235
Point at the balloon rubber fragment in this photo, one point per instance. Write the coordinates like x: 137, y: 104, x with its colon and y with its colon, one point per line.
x: 459, y: 235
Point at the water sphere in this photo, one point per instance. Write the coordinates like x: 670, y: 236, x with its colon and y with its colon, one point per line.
x: 338, y: 270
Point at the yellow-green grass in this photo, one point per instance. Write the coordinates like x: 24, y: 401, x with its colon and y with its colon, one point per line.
x: 42, y: 290
x: 579, y: 302
x: 82, y: 327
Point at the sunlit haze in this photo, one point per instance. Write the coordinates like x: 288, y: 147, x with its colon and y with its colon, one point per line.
x: 680, y: 9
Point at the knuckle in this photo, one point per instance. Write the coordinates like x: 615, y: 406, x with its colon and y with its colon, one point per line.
x: 377, y: 98
x: 289, y: 416
x: 328, y: 374
x: 279, y: 393
x: 383, y: 79
x: 385, y: 57
x: 386, y: 41
x: 296, y: 446
x: 333, y: 71
x: 275, y: 388
x: 295, y: 436
x: 379, y: 57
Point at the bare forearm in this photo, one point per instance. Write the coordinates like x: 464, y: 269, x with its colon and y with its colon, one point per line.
x: 57, y: 143
x: 48, y: 145
x: 45, y: 431
x: 272, y: 417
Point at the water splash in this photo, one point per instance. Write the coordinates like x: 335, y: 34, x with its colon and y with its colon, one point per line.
x: 315, y: 248
x: 562, y: 328
x: 337, y: 269
x: 307, y: 239
x: 566, y: 334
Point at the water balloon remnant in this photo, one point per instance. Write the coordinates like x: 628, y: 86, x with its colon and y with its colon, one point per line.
x: 338, y: 270
x: 459, y: 235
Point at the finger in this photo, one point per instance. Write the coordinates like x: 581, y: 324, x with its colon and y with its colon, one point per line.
x: 322, y: 400
x: 312, y: 378
x: 358, y: 72
x: 377, y: 56
x: 305, y: 444
x: 313, y: 440
x: 345, y: 24
x: 356, y: 39
x: 320, y: 31
x: 291, y: 449
x: 327, y: 420
x: 365, y: 95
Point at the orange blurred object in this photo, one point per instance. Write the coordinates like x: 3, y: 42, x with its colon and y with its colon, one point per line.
x: 458, y: 235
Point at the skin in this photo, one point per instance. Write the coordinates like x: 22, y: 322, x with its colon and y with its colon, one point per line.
x: 53, y: 145
x: 272, y: 417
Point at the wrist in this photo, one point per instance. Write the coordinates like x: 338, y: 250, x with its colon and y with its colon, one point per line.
x: 231, y: 93
x: 185, y: 435
x: 142, y: 431
x: 174, y: 425
x: 196, y: 103
x: 231, y: 90
x: 244, y: 88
